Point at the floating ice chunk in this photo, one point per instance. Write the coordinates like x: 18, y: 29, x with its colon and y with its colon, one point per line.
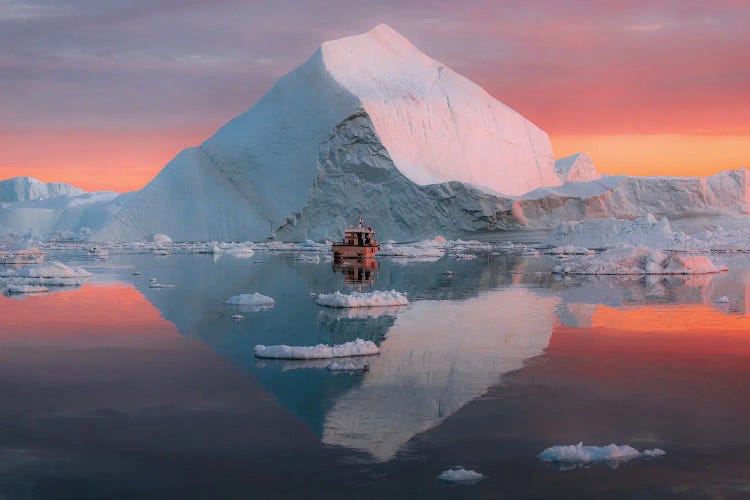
x: 161, y: 285
x: 53, y: 270
x: 359, y: 299
x: 422, y: 249
x: 357, y: 347
x: 237, y: 317
x: 307, y: 258
x: 583, y: 454
x: 347, y: 367
x: 250, y: 299
x: 460, y: 475
x: 239, y: 250
x: 639, y: 260
x: 723, y: 300
x: 656, y: 452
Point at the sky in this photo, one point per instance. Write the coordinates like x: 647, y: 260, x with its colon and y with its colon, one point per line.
x: 104, y: 94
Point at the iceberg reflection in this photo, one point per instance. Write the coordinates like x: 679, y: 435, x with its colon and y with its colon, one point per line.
x: 437, y: 357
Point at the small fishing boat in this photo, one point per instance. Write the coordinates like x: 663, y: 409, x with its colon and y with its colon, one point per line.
x: 359, y: 243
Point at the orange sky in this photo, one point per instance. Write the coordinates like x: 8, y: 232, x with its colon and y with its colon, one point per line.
x: 103, y: 94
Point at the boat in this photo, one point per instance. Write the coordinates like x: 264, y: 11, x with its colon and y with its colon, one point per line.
x: 359, y: 243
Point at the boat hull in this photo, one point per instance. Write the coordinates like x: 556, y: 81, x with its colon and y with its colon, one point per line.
x: 354, y: 251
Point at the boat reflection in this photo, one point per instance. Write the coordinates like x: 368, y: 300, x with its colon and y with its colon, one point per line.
x: 357, y: 271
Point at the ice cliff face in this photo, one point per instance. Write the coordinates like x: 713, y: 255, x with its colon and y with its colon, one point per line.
x: 28, y: 188
x: 256, y: 173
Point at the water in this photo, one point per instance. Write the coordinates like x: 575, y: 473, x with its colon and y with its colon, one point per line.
x: 119, y: 390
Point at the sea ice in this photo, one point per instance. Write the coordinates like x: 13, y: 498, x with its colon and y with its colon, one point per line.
x: 638, y: 260
x: 460, y: 475
x: 581, y: 453
x: 251, y: 299
x: 363, y: 299
x: 54, y: 270
x: 357, y: 347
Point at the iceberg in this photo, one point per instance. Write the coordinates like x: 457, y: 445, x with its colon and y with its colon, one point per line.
x: 583, y: 454
x: 251, y: 299
x: 638, y: 260
x: 460, y: 475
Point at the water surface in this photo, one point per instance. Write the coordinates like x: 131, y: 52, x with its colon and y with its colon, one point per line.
x: 117, y: 389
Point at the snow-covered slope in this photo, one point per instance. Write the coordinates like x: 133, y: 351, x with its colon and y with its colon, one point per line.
x: 28, y: 189
x: 256, y: 173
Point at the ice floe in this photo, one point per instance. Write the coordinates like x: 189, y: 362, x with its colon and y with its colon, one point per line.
x: 161, y: 285
x: 569, y: 250
x: 251, y: 299
x: 357, y: 347
x: 579, y: 453
x: 723, y: 300
x: 363, y: 299
x: 639, y: 260
x: 460, y: 475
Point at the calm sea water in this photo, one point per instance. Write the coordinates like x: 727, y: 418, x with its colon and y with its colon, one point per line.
x: 118, y: 390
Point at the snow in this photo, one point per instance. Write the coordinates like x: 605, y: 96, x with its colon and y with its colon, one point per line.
x: 576, y: 168
x: 251, y: 299
x: 723, y: 300
x: 638, y: 260
x: 363, y: 299
x: 584, y: 454
x: 356, y: 347
x: 460, y: 475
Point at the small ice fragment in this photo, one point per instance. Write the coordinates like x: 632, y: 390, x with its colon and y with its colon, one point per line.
x: 460, y: 475
x: 723, y: 300
x: 357, y: 299
x: 17, y: 289
x: 153, y: 280
x: 656, y: 452
x: 161, y: 285
x: 357, y: 347
x: 237, y: 317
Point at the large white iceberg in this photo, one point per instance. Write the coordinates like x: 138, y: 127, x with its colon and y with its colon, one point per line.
x: 371, y: 107
x: 357, y: 347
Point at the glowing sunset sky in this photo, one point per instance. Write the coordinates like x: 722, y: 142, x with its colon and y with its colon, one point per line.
x: 103, y: 94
